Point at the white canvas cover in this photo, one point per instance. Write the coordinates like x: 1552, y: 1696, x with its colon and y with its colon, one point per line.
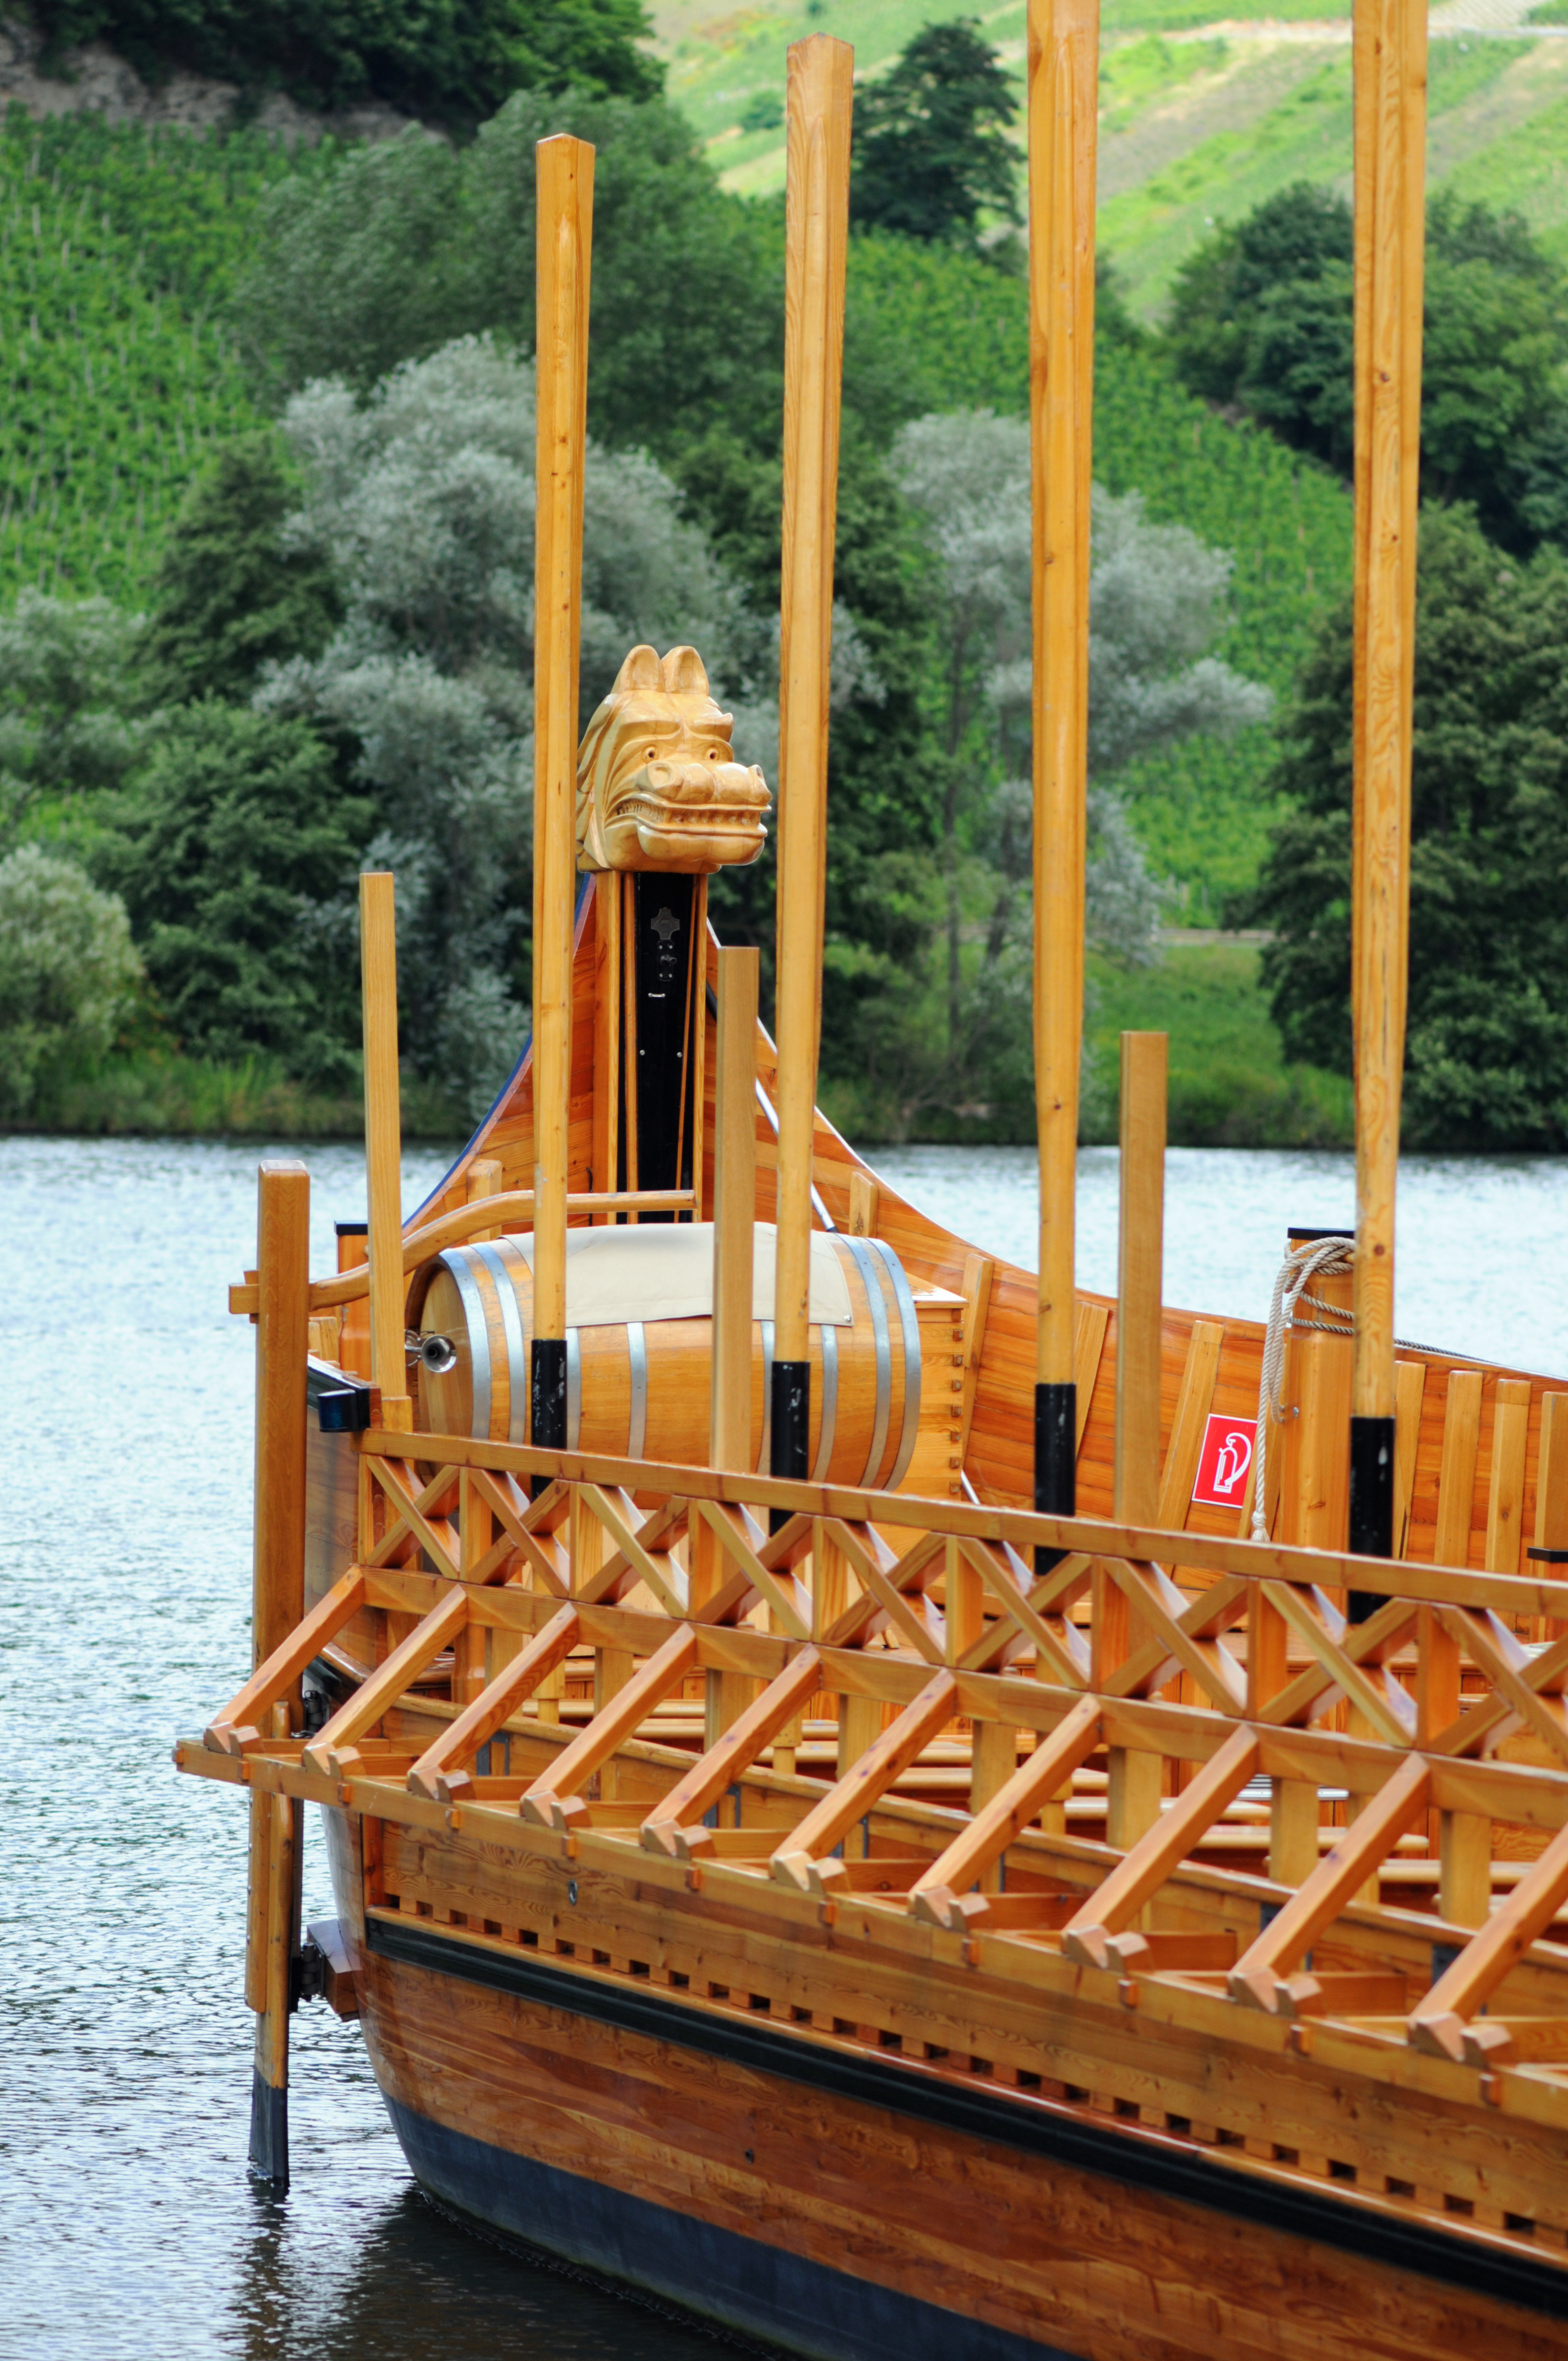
x: 663, y: 1270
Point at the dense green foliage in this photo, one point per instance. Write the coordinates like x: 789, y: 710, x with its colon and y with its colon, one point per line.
x: 1486, y: 1059
x: 235, y: 850
x: 228, y: 597
x: 930, y: 153
x: 69, y: 691
x: 118, y: 251
x: 1262, y: 318
x: 361, y: 260
x: 409, y: 244
x: 67, y: 970
x: 449, y: 62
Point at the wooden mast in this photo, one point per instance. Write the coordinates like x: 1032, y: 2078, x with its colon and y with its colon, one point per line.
x: 1063, y: 97
x: 1391, y: 120
x: 820, y: 96
x: 565, y: 189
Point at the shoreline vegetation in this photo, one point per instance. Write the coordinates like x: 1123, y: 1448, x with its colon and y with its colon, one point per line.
x: 1230, y: 1085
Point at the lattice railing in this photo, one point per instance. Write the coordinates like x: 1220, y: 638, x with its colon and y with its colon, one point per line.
x: 1042, y: 1643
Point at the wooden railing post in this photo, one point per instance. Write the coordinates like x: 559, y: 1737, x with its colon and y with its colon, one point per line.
x: 1390, y: 47
x: 566, y: 188
x: 1133, y: 1802
x: 1063, y: 104
x: 384, y: 1146
x: 819, y: 99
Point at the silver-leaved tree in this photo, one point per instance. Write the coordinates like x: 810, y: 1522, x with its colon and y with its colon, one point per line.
x: 1157, y: 604
x: 422, y: 497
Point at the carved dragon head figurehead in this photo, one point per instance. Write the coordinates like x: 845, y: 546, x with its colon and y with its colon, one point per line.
x: 658, y: 785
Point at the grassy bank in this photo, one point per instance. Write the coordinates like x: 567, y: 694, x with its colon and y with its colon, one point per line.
x: 151, y: 1094
x: 1229, y: 1084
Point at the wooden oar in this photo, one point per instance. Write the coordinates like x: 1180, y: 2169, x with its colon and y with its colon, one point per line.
x: 566, y: 187
x: 820, y: 96
x: 1064, y: 46
x: 1390, y: 119
x: 383, y: 1145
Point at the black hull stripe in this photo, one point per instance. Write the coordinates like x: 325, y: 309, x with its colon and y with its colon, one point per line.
x: 799, y: 2306
x: 982, y: 2114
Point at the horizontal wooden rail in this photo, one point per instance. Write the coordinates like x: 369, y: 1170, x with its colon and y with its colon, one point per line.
x: 466, y: 1221
x: 1087, y: 1537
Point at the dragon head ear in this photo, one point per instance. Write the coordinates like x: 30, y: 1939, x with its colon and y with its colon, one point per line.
x: 683, y: 673
x: 640, y: 670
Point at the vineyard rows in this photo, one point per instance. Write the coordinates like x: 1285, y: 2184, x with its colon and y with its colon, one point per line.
x: 117, y: 248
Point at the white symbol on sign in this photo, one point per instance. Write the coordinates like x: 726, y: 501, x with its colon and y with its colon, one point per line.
x: 1231, y: 1461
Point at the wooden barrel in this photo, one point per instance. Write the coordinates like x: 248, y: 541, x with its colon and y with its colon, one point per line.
x: 639, y: 1389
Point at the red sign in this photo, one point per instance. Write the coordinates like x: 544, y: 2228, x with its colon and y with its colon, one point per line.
x: 1225, y: 1461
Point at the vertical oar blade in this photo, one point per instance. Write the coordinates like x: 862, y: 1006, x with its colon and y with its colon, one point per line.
x: 820, y: 97
x: 565, y: 190
x: 1390, y: 42
x: 1063, y: 98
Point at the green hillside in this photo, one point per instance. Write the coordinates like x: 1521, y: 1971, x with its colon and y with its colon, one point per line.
x: 1200, y: 119
x: 118, y: 250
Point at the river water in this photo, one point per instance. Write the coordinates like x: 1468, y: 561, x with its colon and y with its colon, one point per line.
x: 128, y: 2225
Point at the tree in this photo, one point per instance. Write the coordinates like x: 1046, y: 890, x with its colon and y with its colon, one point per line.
x: 448, y: 61
x: 1157, y: 602
x: 229, y: 597
x: 930, y: 152
x: 422, y: 499
x: 68, y: 971
x: 68, y: 673
x: 1290, y: 240
x: 408, y: 244
x: 1486, y: 1050
x: 235, y: 849
x: 1262, y: 318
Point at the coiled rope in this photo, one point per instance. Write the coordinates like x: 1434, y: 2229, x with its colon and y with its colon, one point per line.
x: 1314, y: 1258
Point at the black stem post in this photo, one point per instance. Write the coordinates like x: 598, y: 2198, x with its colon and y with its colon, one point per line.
x: 1371, y: 1503
x: 1056, y: 1460
x: 547, y: 1402
x: 789, y: 1413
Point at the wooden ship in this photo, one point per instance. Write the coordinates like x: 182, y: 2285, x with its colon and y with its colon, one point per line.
x: 891, y: 1801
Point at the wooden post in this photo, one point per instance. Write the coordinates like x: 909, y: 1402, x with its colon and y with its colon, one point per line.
x: 820, y: 96
x: 1133, y: 1798
x: 1139, y: 1285
x: 277, y: 1603
x: 384, y: 1146
x: 1063, y: 100
x: 1390, y: 52
x: 734, y: 1228
x: 486, y: 1179
x: 282, y: 1323
x: 565, y: 190
x: 734, y: 1209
